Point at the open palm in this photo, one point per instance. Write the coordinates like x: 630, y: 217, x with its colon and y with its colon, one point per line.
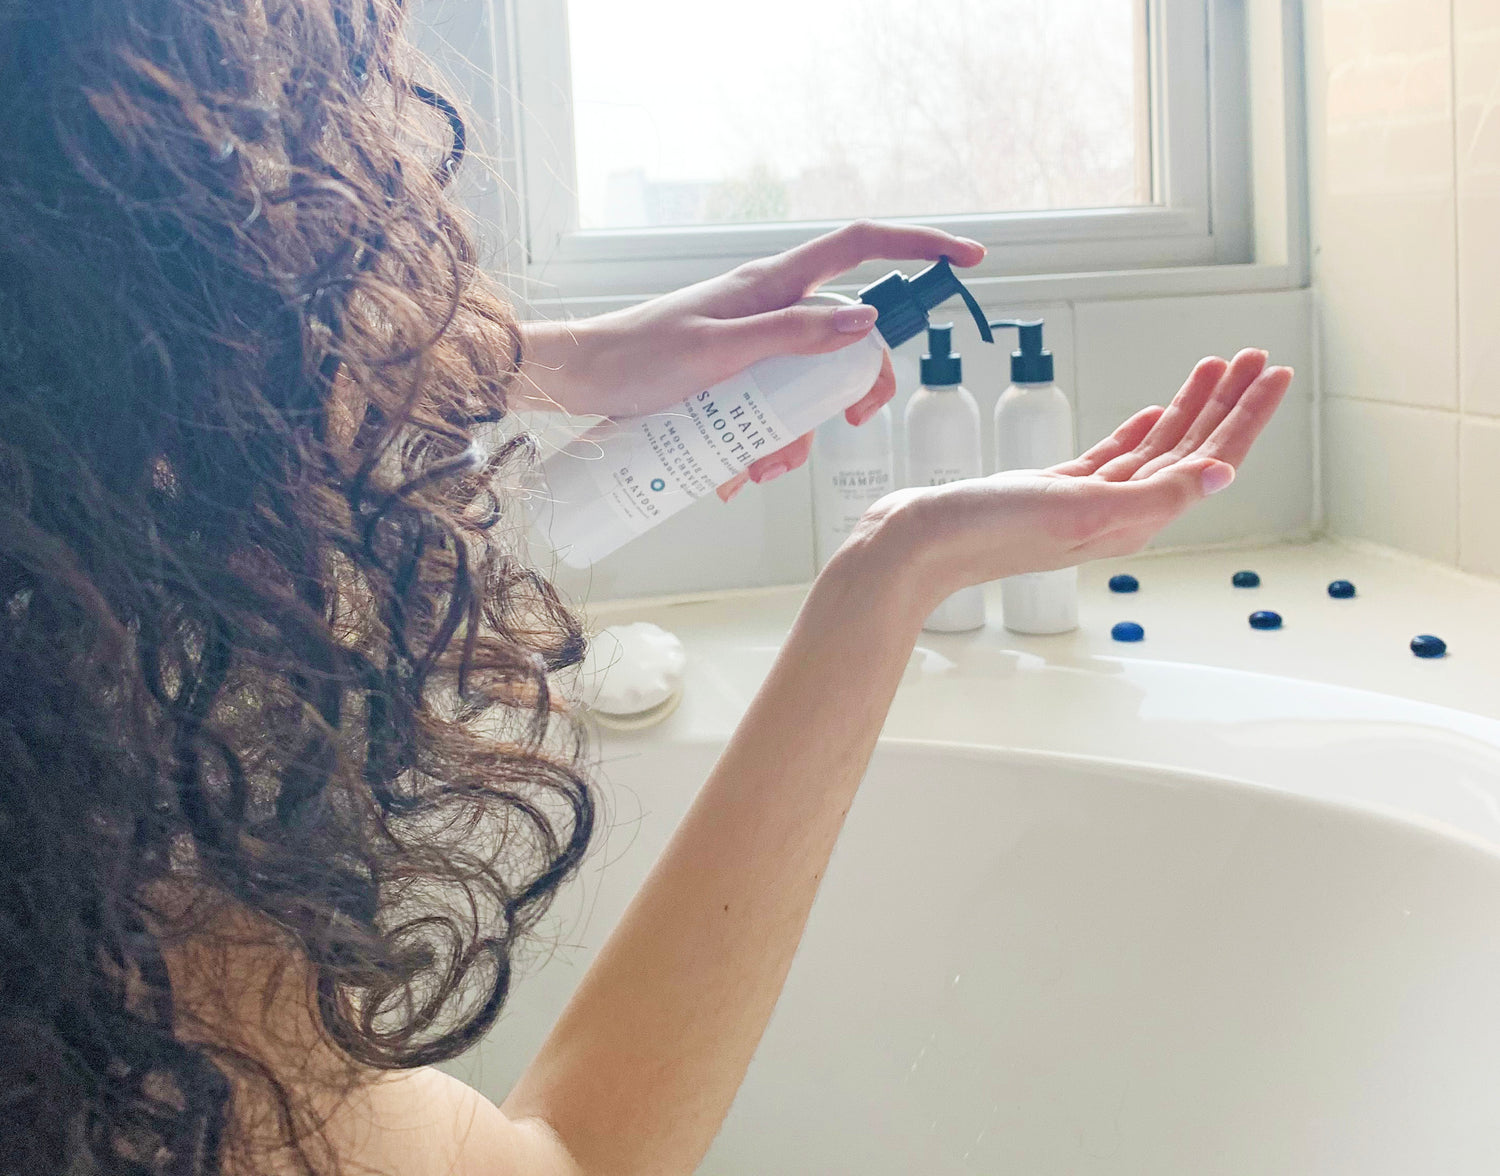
x: 1115, y: 497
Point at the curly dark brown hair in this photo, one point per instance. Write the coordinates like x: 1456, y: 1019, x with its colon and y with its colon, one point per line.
x: 268, y: 651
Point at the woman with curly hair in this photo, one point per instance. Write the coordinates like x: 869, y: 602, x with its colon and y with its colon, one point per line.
x: 284, y: 774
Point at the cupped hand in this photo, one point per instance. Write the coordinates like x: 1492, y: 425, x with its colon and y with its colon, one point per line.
x: 1108, y: 502
x: 654, y: 356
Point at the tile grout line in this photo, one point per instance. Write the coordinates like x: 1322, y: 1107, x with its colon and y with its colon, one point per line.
x: 1314, y: 105
x: 1432, y: 409
x: 1458, y: 309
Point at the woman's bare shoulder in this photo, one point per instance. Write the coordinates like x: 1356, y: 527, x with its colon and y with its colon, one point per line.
x: 426, y: 1123
x: 244, y: 992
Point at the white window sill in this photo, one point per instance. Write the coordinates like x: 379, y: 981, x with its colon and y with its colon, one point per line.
x: 1030, y: 289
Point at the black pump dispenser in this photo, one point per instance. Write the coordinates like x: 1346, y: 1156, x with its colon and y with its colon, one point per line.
x: 942, y: 367
x: 903, y: 302
x: 1033, y: 363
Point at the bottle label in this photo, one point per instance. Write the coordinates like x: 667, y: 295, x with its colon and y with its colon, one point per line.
x: 855, y: 491
x: 657, y: 465
x: 847, y: 494
x: 941, y: 476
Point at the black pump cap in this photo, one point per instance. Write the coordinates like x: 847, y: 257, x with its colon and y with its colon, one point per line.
x: 903, y: 302
x: 942, y: 367
x: 1033, y: 363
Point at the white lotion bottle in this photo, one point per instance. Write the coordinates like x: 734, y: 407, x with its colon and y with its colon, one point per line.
x: 622, y: 478
x: 1034, y: 431
x: 852, y: 469
x: 942, y: 446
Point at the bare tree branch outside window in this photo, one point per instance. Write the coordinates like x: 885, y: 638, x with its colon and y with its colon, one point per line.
x: 783, y: 110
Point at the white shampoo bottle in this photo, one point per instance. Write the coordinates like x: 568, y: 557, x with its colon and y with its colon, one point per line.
x: 622, y: 478
x: 1034, y: 431
x: 852, y: 469
x: 942, y: 446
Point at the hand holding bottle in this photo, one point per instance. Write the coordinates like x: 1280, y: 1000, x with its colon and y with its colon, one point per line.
x: 1108, y: 502
x: 653, y: 356
x: 626, y: 476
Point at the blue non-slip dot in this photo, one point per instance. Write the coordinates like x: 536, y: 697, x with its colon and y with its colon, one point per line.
x: 1341, y: 590
x: 1128, y: 631
x: 1246, y: 580
x: 1124, y: 584
x: 1429, y: 647
x: 1265, y: 620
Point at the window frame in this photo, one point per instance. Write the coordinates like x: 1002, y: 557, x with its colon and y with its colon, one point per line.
x: 1260, y: 95
x: 1201, y: 214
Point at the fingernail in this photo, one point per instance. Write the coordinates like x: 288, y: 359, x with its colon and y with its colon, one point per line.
x: 850, y: 320
x: 727, y: 494
x: 971, y: 241
x: 1219, y: 476
x: 769, y: 472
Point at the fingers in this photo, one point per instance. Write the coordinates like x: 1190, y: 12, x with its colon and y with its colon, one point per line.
x: 1169, y: 492
x: 729, y: 489
x: 1208, y: 378
x: 880, y: 394
x: 1174, y: 422
x: 1248, y: 366
x: 768, y: 469
x: 794, y: 330
x: 1121, y: 441
x: 809, y: 266
x: 1232, y: 440
x: 784, y: 461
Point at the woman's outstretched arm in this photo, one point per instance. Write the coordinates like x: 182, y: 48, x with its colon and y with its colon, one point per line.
x: 640, y: 1071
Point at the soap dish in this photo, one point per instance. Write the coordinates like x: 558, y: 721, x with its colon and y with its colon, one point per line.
x: 633, y: 676
x: 640, y: 721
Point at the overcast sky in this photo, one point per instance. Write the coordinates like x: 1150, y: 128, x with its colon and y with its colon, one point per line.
x: 692, y: 90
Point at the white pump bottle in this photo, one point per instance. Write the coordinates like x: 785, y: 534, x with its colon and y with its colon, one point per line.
x: 852, y: 469
x: 942, y: 446
x: 1034, y: 431
x: 622, y: 478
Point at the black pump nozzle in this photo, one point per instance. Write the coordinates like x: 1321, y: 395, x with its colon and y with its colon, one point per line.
x: 1033, y: 363
x: 903, y: 302
x: 942, y: 367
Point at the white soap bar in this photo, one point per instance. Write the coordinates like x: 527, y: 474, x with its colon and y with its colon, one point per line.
x: 631, y: 669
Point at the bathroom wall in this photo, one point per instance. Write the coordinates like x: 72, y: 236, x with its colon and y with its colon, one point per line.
x: 1405, y: 142
x: 1112, y: 357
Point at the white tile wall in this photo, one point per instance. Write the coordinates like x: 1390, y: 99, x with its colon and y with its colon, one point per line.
x: 1391, y: 475
x: 1385, y: 217
x: 1112, y: 357
x: 1477, y: 85
x: 1479, y: 496
x: 1406, y: 217
x: 1136, y: 353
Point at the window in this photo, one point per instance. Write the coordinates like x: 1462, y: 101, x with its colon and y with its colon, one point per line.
x: 686, y: 113
x: 661, y: 140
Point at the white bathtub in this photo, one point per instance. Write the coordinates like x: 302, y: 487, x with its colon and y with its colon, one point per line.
x: 1057, y: 939
x: 1030, y: 964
